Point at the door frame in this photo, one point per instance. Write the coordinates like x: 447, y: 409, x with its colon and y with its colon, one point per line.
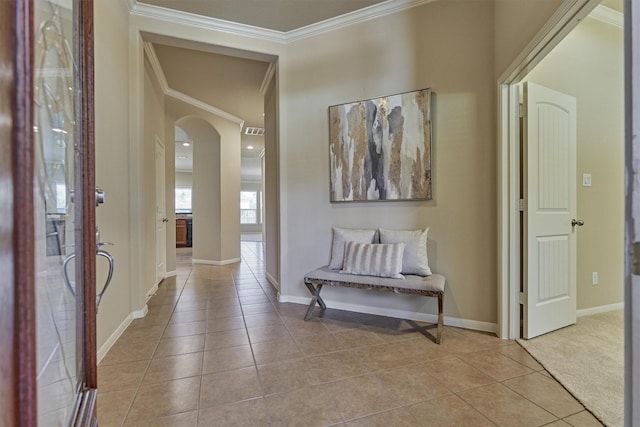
x: 563, y: 21
x: 161, y: 253
x: 17, y: 238
x: 632, y: 278
x: 17, y: 256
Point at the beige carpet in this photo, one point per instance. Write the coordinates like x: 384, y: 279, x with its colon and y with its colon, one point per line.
x: 588, y: 360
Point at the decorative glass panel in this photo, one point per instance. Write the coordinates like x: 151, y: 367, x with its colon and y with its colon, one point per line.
x: 59, y: 363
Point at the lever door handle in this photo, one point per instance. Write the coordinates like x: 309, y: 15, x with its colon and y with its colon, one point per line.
x: 577, y: 222
x: 165, y: 220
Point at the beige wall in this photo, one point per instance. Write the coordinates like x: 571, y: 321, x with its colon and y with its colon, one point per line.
x: 454, y: 47
x: 516, y: 22
x: 271, y: 183
x: 112, y: 146
x: 447, y: 46
x: 224, y: 199
x: 588, y: 64
x: 184, y: 179
x: 206, y: 190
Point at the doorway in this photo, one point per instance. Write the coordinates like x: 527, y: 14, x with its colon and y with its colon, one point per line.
x: 161, y: 213
x: 599, y: 278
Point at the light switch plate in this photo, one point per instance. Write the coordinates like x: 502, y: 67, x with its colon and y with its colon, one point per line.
x: 586, y: 180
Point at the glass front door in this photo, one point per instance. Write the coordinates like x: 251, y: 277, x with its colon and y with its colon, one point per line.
x: 64, y: 224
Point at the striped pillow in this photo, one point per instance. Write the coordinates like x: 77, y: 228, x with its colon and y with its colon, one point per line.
x: 373, y: 259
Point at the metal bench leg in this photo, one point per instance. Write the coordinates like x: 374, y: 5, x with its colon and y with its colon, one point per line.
x: 315, y: 299
x: 440, y: 318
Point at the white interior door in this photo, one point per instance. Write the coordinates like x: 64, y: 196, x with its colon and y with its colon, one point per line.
x: 161, y: 214
x: 550, y: 198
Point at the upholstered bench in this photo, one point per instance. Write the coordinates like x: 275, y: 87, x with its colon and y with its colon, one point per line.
x: 384, y: 260
x: 429, y: 286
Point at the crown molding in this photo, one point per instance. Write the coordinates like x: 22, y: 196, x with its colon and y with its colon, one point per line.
x: 204, y: 106
x: 608, y: 16
x: 267, y: 78
x: 372, y: 12
x: 155, y: 66
x: 164, y: 86
x: 191, y: 19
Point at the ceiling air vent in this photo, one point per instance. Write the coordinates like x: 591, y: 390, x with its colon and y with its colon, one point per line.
x: 253, y: 131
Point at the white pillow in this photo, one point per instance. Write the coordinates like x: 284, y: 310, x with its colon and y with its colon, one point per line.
x: 343, y: 235
x: 373, y: 259
x: 414, y: 260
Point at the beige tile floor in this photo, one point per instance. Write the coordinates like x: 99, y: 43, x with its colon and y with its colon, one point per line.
x: 217, y: 349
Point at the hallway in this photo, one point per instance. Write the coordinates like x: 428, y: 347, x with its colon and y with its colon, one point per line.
x: 217, y: 349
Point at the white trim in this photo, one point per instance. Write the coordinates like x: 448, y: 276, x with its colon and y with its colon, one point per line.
x: 362, y: 15
x: 139, y: 314
x: 400, y: 314
x: 273, y: 282
x: 608, y: 16
x: 199, y: 21
x: 203, y: 106
x: 171, y: 274
x: 104, y: 348
x: 155, y: 66
x: 561, y: 23
x: 191, y: 19
x: 210, y: 262
x: 271, y: 71
x: 151, y: 292
x: 600, y: 309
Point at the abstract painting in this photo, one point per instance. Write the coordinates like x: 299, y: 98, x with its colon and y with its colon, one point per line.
x: 380, y: 149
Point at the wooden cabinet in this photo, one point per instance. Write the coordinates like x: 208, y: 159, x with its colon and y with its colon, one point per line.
x: 181, y: 233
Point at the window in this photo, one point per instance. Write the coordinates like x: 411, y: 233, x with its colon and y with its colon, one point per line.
x: 183, y: 200
x: 249, y: 212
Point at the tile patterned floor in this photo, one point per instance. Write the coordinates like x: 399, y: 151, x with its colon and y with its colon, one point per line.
x: 217, y: 349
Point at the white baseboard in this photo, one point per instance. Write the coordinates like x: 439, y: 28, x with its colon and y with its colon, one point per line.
x: 171, y: 274
x: 273, y: 281
x: 151, y: 292
x: 139, y: 314
x: 104, y: 349
x: 210, y: 262
x: 401, y: 314
x: 600, y: 309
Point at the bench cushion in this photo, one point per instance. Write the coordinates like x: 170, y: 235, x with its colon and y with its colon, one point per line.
x: 434, y: 283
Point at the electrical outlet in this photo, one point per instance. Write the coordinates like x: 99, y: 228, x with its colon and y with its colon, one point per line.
x: 594, y: 278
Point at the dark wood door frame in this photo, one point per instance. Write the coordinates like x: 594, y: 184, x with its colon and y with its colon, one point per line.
x: 17, y: 277
x: 18, y: 376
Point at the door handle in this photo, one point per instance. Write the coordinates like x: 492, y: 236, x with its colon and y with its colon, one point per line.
x: 577, y: 222
x: 100, y: 197
x: 165, y: 220
x: 99, y: 252
x: 65, y: 273
x: 112, y: 262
